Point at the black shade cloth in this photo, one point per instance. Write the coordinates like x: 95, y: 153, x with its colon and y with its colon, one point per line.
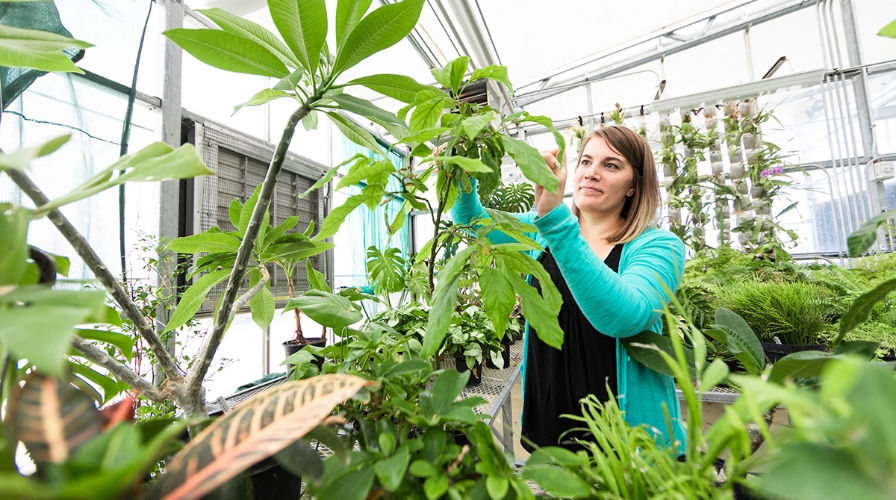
x: 557, y: 380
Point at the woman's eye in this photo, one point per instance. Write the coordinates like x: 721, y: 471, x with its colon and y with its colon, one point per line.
x: 612, y: 166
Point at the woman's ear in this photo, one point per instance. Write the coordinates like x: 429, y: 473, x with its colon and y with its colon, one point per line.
x: 630, y: 193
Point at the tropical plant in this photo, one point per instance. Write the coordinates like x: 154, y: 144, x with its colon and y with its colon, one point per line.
x: 513, y: 197
x: 472, y: 337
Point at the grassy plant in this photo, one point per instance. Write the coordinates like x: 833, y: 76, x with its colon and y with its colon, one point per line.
x: 796, y: 313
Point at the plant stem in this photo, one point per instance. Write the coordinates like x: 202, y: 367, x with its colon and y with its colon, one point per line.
x: 298, y: 312
x: 193, y: 391
x: 246, y: 297
x: 98, y: 356
x: 440, y: 208
x: 85, y: 251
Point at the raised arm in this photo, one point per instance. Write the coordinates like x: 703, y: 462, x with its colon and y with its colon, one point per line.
x: 468, y: 208
x: 618, y: 305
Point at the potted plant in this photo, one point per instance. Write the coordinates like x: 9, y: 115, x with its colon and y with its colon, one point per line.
x: 471, y: 339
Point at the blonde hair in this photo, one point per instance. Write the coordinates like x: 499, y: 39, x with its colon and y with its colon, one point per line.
x: 641, y: 209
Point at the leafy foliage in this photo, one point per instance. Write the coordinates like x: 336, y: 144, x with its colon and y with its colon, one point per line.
x: 513, y: 197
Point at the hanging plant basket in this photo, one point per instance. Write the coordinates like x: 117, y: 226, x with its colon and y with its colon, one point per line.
x: 718, y: 167
x: 757, y: 191
x: 737, y: 171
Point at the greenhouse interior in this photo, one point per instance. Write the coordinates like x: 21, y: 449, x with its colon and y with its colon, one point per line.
x: 510, y: 250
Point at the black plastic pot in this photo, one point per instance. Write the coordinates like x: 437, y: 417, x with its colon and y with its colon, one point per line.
x: 271, y: 480
x: 291, y: 347
x: 460, y: 364
x: 774, y: 352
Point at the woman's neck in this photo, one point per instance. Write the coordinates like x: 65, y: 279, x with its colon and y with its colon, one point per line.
x: 598, y: 227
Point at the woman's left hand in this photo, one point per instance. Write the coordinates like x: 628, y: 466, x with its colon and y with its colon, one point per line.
x: 546, y: 200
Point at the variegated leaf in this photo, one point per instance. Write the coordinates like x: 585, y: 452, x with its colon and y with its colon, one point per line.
x: 259, y: 428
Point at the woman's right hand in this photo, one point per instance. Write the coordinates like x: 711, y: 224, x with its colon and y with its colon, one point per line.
x: 545, y: 200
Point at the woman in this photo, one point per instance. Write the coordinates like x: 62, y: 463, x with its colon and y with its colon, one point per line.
x: 613, y: 269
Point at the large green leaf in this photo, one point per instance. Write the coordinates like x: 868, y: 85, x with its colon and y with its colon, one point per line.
x: 386, y: 270
x: 42, y: 333
x: 348, y: 15
x: 21, y: 158
x: 427, y: 113
x: 740, y: 338
x: 355, y: 133
x: 475, y: 123
x: 252, y: 31
x: 862, y: 239
x: 493, y: 72
x: 424, y: 135
x: 644, y: 348
x: 332, y: 173
x: 365, y: 108
x: 248, y: 208
x: 888, y: 30
x: 498, y: 297
x: 259, y: 428
x: 376, y: 173
x: 392, y: 470
x: 156, y: 162
x: 452, y: 75
x: 444, y: 299
x: 205, y: 242
x: 230, y: 52
x: 468, y: 164
x: 334, y: 219
x: 124, y: 343
x: 549, y: 124
x: 802, y: 364
x: 262, y: 97
x: 560, y: 483
x: 861, y: 308
x: 531, y: 163
x: 13, y: 247
x: 380, y: 30
x: 40, y: 50
x: 538, y: 311
x: 399, y: 87
x: 303, y: 26
x: 193, y: 297
x: 326, y: 309
x: 316, y: 279
x: 261, y: 304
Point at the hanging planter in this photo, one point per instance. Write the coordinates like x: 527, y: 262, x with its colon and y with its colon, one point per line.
x: 750, y: 141
x: 757, y: 191
x: 737, y: 171
x: 669, y: 170
x: 718, y: 167
x: 675, y: 215
x: 742, y: 186
x: 715, y: 156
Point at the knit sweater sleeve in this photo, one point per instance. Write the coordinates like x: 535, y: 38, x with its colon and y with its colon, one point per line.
x: 618, y: 305
x: 468, y: 208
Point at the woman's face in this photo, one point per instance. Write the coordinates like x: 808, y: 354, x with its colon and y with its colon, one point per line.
x: 603, y: 180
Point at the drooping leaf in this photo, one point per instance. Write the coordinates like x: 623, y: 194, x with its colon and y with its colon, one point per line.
x: 124, y: 343
x: 444, y: 301
x: 538, y: 311
x: 365, y: 108
x: 498, y: 297
x: 264, y: 96
x: 741, y: 337
x: 802, y: 364
x: 35, y: 49
x: 348, y: 14
x: 21, y: 158
x: 399, y: 87
x: 862, y: 239
x: 52, y: 418
x: 252, y: 31
x: 549, y: 124
x: 13, y: 247
x: 493, y: 72
x: 356, y: 133
x: 205, y: 242
x: 289, y: 411
x: 334, y: 219
x: 156, y: 162
x: 303, y: 26
x: 261, y: 304
x: 468, y: 164
x: 332, y: 173
x: 193, y: 297
x: 380, y: 30
x: 228, y: 51
x: 531, y: 163
x: 861, y: 308
x: 326, y: 309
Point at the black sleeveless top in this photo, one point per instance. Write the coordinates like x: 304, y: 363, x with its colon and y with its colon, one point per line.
x: 557, y: 380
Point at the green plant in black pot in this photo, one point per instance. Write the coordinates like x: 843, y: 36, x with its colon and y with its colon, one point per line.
x: 471, y: 340
x: 783, y: 313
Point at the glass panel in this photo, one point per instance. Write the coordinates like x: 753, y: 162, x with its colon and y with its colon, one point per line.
x: 882, y: 88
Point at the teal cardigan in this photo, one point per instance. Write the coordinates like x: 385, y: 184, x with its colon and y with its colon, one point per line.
x: 619, y: 305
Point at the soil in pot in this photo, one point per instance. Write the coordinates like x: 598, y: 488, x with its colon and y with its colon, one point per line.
x: 291, y: 347
x: 774, y: 352
x: 460, y: 364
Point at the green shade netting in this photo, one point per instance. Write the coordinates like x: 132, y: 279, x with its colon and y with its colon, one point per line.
x: 30, y: 15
